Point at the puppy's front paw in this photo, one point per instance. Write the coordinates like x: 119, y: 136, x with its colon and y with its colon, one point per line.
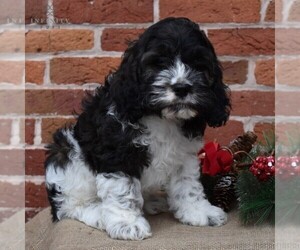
x: 204, y: 216
x: 137, y: 230
x: 216, y: 216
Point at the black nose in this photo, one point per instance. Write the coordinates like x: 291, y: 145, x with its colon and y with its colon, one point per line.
x: 181, y: 89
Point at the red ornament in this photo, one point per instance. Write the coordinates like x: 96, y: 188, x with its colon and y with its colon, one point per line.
x: 263, y: 167
x: 288, y: 166
x: 215, y: 159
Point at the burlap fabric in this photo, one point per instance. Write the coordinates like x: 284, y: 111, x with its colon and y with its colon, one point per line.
x: 168, y: 233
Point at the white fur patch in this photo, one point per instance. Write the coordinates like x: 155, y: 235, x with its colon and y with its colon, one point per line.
x: 122, y: 203
x: 169, y: 149
x: 174, y: 165
x: 179, y: 72
x: 75, y: 181
x: 187, y: 200
x: 183, y: 113
x: 112, y: 202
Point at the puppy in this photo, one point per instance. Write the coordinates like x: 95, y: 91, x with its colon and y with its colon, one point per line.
x: 140, y: 133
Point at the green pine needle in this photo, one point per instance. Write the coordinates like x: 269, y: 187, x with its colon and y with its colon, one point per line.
x: 256, y: 199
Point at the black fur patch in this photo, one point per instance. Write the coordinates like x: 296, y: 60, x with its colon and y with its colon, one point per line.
x: 107, y: 145
x: 52, y: 193
x: 58, y: 151
x: 58, y: 156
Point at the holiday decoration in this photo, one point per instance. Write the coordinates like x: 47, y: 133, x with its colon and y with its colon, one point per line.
x: 256, y: 199
x: 224, y: 192
x: 242, y: 172
x: 216, y: 159
x: 263, y: 167
x: 288, y: 166
x: 220, y: 190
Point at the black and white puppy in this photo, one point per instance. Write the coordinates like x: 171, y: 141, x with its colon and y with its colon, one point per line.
x: 140, y: 132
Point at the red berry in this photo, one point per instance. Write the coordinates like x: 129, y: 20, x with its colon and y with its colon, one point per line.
x: 261, y: 166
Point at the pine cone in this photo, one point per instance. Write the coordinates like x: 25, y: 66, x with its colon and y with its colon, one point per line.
x: 224, y: 192
x: 242, y: 143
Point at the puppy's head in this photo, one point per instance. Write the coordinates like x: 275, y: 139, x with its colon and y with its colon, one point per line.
x: 172, y: 70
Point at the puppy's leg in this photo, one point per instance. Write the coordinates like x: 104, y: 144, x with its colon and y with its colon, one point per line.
x: 187, y: 200
x: 122, y: 203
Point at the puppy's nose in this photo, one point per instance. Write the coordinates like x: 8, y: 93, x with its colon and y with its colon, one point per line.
x: 181, y: 90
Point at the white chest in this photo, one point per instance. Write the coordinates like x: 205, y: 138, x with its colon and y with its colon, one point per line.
x: 169, y: 150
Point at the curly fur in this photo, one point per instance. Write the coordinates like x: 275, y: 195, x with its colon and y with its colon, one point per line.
x: 140, y: 132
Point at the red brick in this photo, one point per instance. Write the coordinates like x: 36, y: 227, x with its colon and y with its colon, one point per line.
x: 11, y: 72
x: 235, y: 72
x: 58, y: 40
x: 37, y: 41
x: 287, y: 103
x: 29, y: 131
x: 35, y: 195
x: 261, y: 128
x: 278, y: 10
x: 212, y: 11
x: 117, y: 39
x: 35, y: 9
x: 285, y: 131
x: 12, y: 101
x: 50, y: 125
x: 287, y: 72
x: 34, y: 161
x: 81, y: 70
x: 12, y: 41
x: 50, y: 101
x: 34, y: 71
x: 5, y: 128
x: 243, y: 41
x: 225, y: 134
x: 12, y: 162
x: 287, y: 41
x: 247, y: 103
x: 265, y: 72
x: 274, y: 13
x: 104, y: 11
x: 12, y: 195
x: 294, y: 14
x: 270, y: 12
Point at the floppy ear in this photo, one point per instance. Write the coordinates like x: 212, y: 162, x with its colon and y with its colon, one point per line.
x: 194, y: 127
x: 219, y: 112
x: 221, y: 108
x: 125, y: 88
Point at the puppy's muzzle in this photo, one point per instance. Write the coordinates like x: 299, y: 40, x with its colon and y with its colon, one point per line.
x: 181, y: 89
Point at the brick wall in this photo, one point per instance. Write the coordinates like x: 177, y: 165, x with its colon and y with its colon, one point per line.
x: 64, y: 60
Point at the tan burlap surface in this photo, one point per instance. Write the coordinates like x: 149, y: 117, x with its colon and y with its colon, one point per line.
x: 168, y: 233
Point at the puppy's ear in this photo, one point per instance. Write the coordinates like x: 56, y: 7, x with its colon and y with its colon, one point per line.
x: 219, y: 114
x: 126, y: 88
x: 194, y: 127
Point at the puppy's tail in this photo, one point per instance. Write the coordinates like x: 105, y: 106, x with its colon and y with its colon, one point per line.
x: 59, y: 154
